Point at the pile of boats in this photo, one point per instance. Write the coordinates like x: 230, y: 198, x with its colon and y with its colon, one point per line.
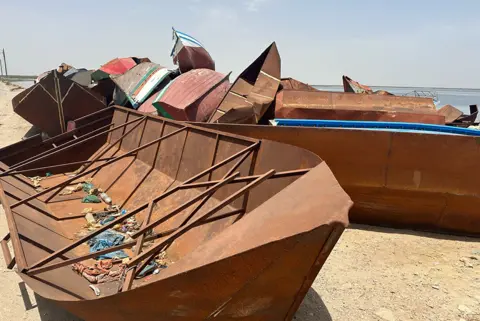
x: 238, y: 192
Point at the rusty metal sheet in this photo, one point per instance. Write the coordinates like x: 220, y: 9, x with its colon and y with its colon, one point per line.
x: 139, y: 82
x: 34, y: 146
x: 451, y: 113
x: 262, y: 249
x: 391, y: 176
x: 348, y: 106
x: 292, y: 83
x: 116, y: 66
x: 300, y: 108
x: 352, y: 86
x: 53, y: 101
x: 192, y: 96
x: 188, y: 53
x: 253, y: 92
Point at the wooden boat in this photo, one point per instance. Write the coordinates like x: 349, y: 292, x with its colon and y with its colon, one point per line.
x: 55, y: 100
x: 253, y: 91
x: 245, y: 231
x: 398, y: 179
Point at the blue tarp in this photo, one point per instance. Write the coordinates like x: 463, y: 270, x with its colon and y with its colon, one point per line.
x: 378, y: 125
x: 105, y: 240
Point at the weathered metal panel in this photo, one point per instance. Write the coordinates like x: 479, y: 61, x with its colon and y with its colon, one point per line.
x: 117, y: 66
x: 253, y: 92
x: 352, y: 86
x: 393, y: 177
x: 188, y: 53
x: 55, y: 100
x: 451, y: 113
x: 348, y: 106
x: 267, y: 254
x: 193, y: 96
x: 140, y: 81
x: 294, y: 84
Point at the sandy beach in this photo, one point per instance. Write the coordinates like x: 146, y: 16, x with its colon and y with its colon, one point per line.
x: 372, y: 274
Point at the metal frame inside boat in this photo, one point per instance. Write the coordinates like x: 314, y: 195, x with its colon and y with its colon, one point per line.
x: 296, y: 204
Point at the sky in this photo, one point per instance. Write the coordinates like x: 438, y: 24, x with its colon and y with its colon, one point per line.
x: 382, y: 43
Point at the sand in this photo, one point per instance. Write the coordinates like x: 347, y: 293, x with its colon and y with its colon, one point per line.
x: 372, y: 274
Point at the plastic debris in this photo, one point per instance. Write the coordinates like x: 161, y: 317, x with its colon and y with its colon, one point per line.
x: 36, y: 181
x: 106, y: 240
x: 105, y: 198
x: 107, y: 220
x: 48, y: 174
x: 150, y: 268
x: 67, y: 190
x: 90, y: 219
x: 101, y: 272
x: 95, y: 289
x: 91, y: 199
x: 87, y: 187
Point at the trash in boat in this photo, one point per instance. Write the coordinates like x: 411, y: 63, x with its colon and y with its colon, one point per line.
x: 139, y: 82
x: 253, y: 92
x: 188, y: 53
x: 194, y: 191
x: 91, y: 198
x: 192, y: 96
x: 36, y: 180
x: 55, y: 100
x: 150, y: 268
x: 100, y: 272
x: 105, y: 240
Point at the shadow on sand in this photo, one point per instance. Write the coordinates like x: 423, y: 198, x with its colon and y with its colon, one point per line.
x: 47, y: 310
x: 440, y: 235
x: 312, y: 308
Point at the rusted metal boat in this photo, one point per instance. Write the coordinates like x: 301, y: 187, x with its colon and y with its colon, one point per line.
x: 304, y: 104
x: 253, y: 91
x: 192, y: 96
x: 188, y: 53
x: 394, y: 178
x: 455, y: 117
x: 55, y: 100
x: 248, y: 224
x: 352, y: 86
x: 35, y: 148
x: 116, y: 67
x: 294, y: 84
x: 138, y: 83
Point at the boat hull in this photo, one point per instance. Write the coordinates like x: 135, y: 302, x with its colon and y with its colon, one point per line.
x: 304, y: 104
x: 55, y: 100
x: 401, y: 180
x: 255, y: 259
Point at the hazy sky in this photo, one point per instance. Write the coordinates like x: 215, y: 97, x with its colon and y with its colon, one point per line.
x: 415, y: 43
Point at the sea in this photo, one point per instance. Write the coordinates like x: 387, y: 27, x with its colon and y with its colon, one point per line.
x: 460, y: 98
